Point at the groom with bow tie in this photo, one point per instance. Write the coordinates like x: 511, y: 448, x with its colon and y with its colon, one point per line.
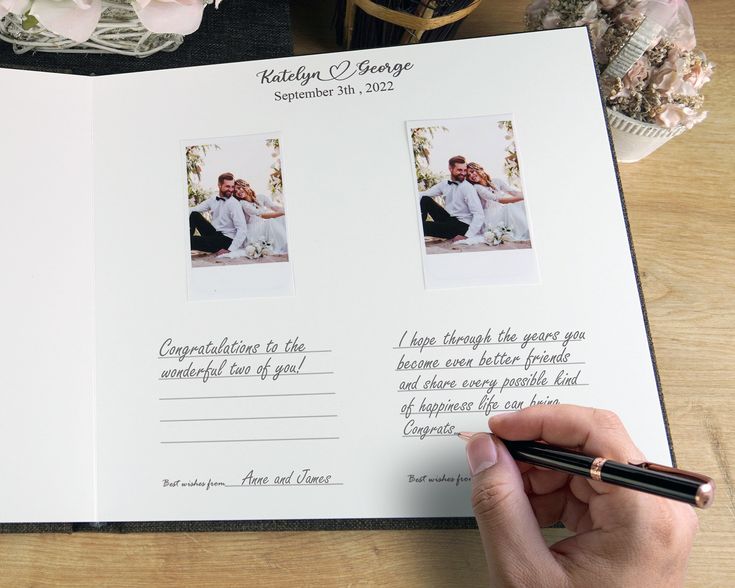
x: 462, y: 216
x: 228, y: 229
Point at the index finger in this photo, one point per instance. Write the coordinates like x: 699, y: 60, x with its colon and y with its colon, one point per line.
x: 594, y: 431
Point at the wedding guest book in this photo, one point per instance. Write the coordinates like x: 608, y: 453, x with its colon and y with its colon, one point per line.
x: 411, y: 239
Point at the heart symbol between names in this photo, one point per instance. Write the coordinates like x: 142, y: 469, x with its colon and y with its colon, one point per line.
x: 339, y: 70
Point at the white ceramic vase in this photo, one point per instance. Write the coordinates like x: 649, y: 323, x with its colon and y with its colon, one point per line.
x: 634, y: 139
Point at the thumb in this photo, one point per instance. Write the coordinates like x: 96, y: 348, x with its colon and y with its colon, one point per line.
x: 516, y: 552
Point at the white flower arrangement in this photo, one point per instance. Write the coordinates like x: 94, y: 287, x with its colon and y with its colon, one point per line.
x: 99, y: 26
x: 498, y: 235
x: 258, y: 249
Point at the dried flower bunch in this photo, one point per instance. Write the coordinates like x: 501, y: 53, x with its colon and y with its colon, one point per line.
x: 78, y: 19
x: 663, y: 86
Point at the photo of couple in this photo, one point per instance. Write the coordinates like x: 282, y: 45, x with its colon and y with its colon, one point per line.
x: 232, y: 220
x: 465, y: 205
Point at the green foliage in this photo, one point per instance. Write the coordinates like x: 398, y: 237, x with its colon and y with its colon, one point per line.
x: 29, y: 22
x: 510, y: 166
x: 195, y: 155
x: 275, y: 181
x: 421, y: 143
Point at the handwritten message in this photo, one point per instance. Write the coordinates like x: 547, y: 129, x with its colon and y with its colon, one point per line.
x: 441, y: 376
x: 233, y: 390
x: 235, y: 358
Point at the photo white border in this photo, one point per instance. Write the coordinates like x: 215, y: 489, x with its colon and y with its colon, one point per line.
x: 236, y: 281
x: 473, y: 268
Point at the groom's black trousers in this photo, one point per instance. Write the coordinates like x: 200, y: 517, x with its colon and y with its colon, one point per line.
x: 443, y: 224
x: 209, y: 238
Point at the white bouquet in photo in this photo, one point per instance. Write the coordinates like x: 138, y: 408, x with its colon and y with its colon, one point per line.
x: 258, y: 249
x: 251, y: 251
x: 498, y: 235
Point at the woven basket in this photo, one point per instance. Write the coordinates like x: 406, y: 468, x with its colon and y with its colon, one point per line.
x: 119, y: 31
x: 415, y: 25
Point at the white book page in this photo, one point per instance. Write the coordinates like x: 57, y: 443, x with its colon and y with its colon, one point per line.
x: 47, y: 244
x: 294, y: 389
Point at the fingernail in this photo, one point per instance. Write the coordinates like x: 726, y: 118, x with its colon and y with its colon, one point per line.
x: 481, y: 453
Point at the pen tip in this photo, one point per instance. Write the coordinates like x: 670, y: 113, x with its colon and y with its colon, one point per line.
x: 465, y: 436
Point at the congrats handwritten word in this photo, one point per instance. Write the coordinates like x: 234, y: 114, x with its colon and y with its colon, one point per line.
x: 339, y: 72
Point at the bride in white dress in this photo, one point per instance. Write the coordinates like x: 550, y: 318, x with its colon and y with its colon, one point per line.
x: 503, y: 205
x: 265, y: 219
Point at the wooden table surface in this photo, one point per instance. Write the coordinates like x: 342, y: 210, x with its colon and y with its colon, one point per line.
x: 682, y: 215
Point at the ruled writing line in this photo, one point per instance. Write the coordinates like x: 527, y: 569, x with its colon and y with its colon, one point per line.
x: 449, y: 389
x: 486, y: 344
x: 249, y: 440
x: 258, y: 418
x: 280, y: 485
x: 248, y: 376
x: 246, y: 354
x: 476, y: 367
x: 436, y: 434
x: 248, y: 396
x: 460, y: 411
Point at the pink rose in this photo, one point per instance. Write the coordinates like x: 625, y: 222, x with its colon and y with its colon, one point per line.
x: 695, y: 119
x: 537, y: 8
x: 608, y: 4
x: 638, y: 74
x: 669, y: 77
x: 552, y: 20
x: 664, y: 79
x: 672, y: 115
x: 73, y: 19
x: 629, y: 15
x: 17, y: 7
x: 675, y: 18
x: 700, y: 74
x: 597, y: 28
x: 170, y: 16
x: 589, y: 14
x: 590, y: 11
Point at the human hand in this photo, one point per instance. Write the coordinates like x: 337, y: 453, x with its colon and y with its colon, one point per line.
x: 623, y: 537
x: 222, y: 251
x: 458, y: 238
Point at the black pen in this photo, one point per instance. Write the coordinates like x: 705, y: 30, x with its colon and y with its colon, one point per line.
x: 694, y: 489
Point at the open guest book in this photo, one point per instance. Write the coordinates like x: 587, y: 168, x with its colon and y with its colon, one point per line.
x: 276, y: 290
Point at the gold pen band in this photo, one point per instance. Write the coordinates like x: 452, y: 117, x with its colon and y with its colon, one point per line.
x: 596, y: 468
